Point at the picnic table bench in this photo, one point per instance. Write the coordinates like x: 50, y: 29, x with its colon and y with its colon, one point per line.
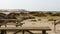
x: 23, y: 29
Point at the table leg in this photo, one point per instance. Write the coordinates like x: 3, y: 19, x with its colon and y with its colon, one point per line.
x: 29, y: 31
x: 43, y: 31
x: 23, y: 32
x: 2, y: 31
x: 5, y: 32
x: 17, y: 31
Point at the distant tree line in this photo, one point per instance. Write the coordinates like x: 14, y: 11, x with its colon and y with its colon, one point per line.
x: 38, y: 14
x: 42, y: 14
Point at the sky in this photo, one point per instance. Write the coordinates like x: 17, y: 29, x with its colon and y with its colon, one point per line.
x: 31, y: 5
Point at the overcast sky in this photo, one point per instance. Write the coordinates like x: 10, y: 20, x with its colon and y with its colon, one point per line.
x: 43, y: 5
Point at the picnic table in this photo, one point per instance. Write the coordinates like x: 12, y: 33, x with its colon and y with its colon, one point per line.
x: 23, y: 29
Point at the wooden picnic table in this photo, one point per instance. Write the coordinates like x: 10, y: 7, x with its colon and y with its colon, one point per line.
x: 23, y: 29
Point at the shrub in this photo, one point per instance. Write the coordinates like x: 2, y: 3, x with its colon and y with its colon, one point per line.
x: 39, y: 19
x: 51, y: 19
x: 33, y: 20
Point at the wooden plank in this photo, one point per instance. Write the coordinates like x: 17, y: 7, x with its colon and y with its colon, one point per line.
x: 25, y: 28
x: 9, y: 19
x: 39, y: 33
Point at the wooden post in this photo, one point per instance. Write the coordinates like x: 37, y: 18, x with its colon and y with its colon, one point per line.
x: 54, y: 25
x: 43, y: 31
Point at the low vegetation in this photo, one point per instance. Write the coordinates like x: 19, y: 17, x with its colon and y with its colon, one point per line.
x: 42, y: 14
x: 51, y: 19
x: 33, y: 20
x: 39, y: 19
